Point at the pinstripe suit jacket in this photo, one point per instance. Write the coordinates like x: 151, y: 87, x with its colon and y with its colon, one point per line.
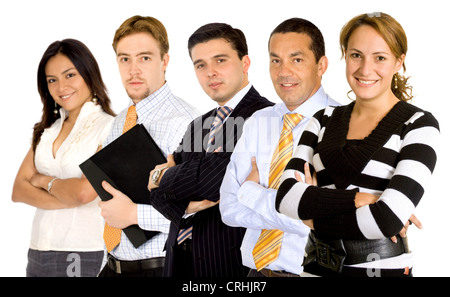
x: 198, y: 176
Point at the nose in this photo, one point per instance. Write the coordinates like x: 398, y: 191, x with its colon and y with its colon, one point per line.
x: 62, y: 86
x: 284, y: 70
x: 212, y: 72
x: 134, y: 68
x: 365, y: 67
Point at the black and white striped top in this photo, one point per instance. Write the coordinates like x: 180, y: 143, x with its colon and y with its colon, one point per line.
x: 395, y: 162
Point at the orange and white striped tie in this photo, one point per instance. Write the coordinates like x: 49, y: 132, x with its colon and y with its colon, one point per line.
x: 112, y: 235
x: 267, y: 248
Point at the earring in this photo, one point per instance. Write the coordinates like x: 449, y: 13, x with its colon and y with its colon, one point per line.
x: 95, y: 100
x: 55, y: 111
x: 348, y: 93
x: 395, y: 81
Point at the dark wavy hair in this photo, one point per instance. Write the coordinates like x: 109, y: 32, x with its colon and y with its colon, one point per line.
x: 86, y: 65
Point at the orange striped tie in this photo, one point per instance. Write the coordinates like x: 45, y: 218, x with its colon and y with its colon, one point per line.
x: 111, y: 235
x: 268, y: 246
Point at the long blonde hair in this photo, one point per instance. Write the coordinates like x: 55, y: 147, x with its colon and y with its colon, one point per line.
x: 394, y: 35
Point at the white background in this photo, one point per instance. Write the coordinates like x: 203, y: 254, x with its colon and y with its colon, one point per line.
x: 28, y: 27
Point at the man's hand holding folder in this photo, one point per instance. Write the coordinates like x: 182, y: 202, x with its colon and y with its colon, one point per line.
x: 118, y: 212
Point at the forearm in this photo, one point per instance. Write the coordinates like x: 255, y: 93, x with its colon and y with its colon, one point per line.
x: 262, y: 202
x: 192, y: 180
x: 72, y: 192
x: 168, y: 206
x: 25, y: 192
x: 302, y: 201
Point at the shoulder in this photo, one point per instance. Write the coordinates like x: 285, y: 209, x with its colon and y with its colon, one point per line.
x: 325, y: 113
x: 418, y: 117
x: 252, y: 102
x: 104, y: 117
x: 268, y: 111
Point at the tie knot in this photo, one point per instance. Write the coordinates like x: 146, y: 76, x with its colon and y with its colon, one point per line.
x: 131, y: 113
x: 223, y: 112
x: 290, y: 120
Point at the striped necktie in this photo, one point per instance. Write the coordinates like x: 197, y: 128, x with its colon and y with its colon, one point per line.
x: 111, y: 235
x: 267, y: 248
x: 222, y: 113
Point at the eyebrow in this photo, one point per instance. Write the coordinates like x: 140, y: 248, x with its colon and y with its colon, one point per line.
x: 215, y: 57
x: 64, y: 72
x: 294, y: 54
x: 375, y: 53
x: 139, y: 54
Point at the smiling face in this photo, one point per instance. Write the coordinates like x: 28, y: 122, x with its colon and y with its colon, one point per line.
x: 66, y: 85
x: 295, y: 73
x: 370, y: 64
x: 219, y: 70
x: 140, y: 64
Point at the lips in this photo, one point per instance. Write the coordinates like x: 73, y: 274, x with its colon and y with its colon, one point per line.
x: 366, y: 82
x: 214, y: 85
x: 66, y: 97
x: 288, y: 85
x: 135, y: 83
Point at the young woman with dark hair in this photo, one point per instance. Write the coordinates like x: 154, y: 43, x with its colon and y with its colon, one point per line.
x: 66, y: 238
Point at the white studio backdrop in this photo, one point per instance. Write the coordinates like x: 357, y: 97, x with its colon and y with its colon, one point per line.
x: 28, y: 27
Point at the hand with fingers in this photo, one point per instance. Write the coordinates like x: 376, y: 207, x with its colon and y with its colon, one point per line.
x: 120, y: 211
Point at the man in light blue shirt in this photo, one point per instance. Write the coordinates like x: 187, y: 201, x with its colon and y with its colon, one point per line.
x: 298, y: 61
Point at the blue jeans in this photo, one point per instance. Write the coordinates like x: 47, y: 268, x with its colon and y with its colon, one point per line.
x: 63, y: 264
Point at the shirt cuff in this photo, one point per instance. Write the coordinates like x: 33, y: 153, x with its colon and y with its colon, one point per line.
x: 144, y: 216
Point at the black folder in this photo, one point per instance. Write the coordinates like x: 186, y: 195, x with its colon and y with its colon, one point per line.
x: 126, y: 164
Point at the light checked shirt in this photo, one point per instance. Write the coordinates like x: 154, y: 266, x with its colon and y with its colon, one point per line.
x: 166, y: 118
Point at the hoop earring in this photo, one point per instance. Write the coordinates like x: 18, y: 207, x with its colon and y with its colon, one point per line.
x: 348, y: 93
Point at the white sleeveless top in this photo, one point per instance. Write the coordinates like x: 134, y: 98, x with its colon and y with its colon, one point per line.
x: 79, y: 228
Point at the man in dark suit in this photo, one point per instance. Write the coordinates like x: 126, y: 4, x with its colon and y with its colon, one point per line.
x: 186, y: 189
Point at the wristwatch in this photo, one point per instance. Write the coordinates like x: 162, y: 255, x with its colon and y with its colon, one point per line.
x: 156, y: 174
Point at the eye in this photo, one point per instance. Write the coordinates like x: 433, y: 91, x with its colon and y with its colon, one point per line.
x: 51, y: 80
x: 298, y: 60
x: 124, y: 60
x: 381, y: 58
x: 355, y: 55
x: 275, y: 61
x: 69, y: 75
x: 199, y: 66
x: 146, y: 58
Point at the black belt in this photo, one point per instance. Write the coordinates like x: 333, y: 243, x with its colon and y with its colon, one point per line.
x: 333, y: 254
x: 277, y: 273
x: 119, y: 266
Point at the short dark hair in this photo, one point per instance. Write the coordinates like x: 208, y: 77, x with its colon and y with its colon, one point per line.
x: 217, y: 31
x: 299, y: 25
